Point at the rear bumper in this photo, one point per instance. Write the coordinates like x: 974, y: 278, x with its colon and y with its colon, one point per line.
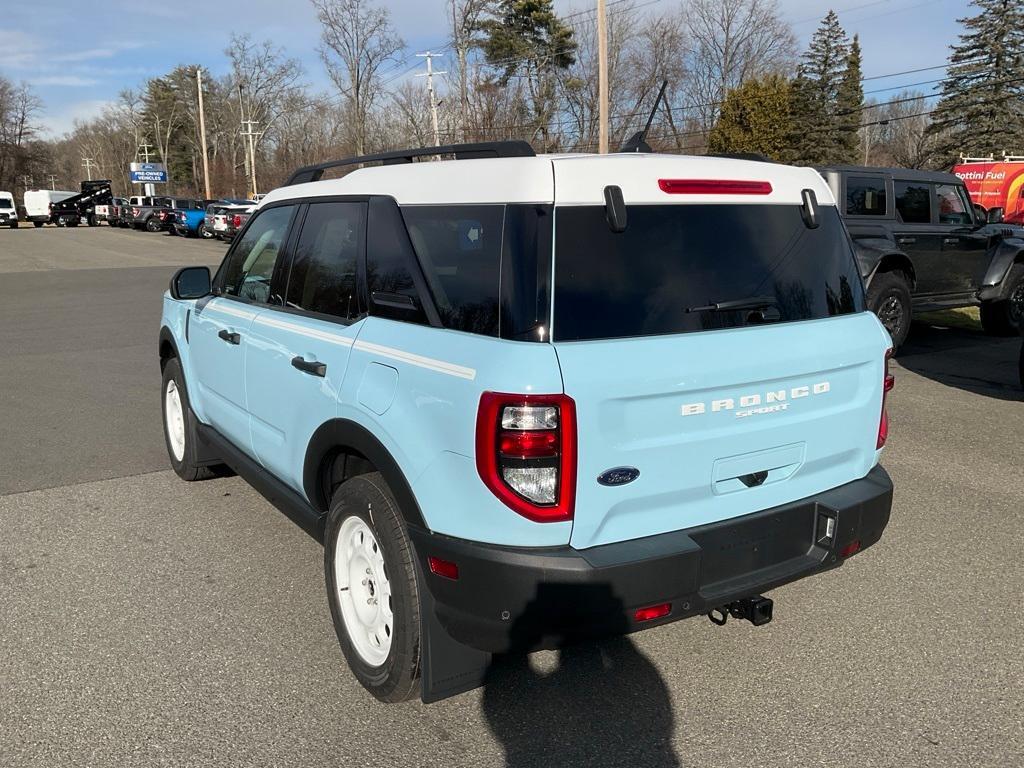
x: 521, y: 598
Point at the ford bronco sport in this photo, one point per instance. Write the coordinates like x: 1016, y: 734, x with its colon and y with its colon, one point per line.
x: 524, y: 399
x: 921, y: 246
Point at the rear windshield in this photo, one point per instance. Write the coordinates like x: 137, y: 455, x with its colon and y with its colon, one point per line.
x: 673, y: 261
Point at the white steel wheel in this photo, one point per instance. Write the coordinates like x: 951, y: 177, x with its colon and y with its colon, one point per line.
x: 174, y: 418
x: 363, y: 591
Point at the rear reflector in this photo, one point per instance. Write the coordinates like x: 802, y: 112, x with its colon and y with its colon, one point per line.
x: 652, y: 612
x: 850, y: 549
x: 888, y: 382
x: 714, y: 187
x: 444, y: 568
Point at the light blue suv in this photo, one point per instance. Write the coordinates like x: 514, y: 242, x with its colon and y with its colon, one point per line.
x: 525, y: 400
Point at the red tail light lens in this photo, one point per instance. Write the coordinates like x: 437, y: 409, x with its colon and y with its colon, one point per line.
x: 850, y: 549
x: 237, y: 221
x: 652, y: 612
x: 526, y: 453
x: 888, y: 381
x: 714, y: 187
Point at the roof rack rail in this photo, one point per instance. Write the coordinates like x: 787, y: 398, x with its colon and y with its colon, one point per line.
x: 401, y: 156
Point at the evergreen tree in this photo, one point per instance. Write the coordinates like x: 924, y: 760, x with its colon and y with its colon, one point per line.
x: 754, y: 118
x: 526, y: 38
x: 981, y: 110
x: 850, y: 107
x: 817, y: 137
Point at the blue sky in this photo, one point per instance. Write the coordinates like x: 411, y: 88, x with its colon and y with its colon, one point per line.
x: 78, y: 56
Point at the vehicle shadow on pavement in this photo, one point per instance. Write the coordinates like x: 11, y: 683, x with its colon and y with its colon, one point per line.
x: 965, y: 359
x: 603, y: 704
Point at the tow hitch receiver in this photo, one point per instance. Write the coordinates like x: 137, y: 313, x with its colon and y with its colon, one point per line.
x: 756, y: 610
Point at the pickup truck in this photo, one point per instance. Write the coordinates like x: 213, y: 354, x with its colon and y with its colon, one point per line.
x: 148, y: 217
x: 921, y: 245
x: 107, y: 211
x: 191, y: 222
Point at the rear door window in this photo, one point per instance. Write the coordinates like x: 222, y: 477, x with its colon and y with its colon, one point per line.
x: 459, y: 250
x: 323, y: 271
x: 913, y: 201
x: 662, y: 274
x: 865, y: 196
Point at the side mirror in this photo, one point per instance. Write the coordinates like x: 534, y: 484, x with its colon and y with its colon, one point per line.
x: 191, y: 283
x: 995, y: 215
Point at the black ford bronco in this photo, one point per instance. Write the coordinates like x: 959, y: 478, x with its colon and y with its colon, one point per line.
x: 920, y: 246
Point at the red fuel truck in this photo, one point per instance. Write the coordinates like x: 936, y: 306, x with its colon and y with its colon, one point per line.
x: 995, y: 185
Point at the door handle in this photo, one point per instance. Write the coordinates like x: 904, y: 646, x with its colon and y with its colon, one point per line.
x: 312, y: 367
x: 951, y: 241
x: 229, y: 337
x: 906, y: 240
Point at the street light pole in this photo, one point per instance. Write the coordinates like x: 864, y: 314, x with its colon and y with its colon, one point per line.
x: 202, y: 132
x: 602, y: 78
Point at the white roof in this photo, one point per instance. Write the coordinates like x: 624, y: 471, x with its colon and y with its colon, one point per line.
x: 563, y: 179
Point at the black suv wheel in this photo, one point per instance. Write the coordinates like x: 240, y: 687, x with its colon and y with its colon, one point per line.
x: 1003, y: 318
x: 889, y: 298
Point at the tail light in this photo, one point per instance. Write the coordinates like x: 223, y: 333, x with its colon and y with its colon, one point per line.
x: 237, y: 221
x: 652, y: 612
x: 526, y: 453
x: 888, y: 381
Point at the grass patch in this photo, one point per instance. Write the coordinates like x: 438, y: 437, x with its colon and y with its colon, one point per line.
x: 966, y: 318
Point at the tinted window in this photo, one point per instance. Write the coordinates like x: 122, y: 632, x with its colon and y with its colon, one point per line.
x: 5, y: 203
x: 913, y: 201
x: 248, y: 269
x: 459, y: 249
x: 390, y: 262
x: 954, y: 208
x: 672, y: 260
x: 865, y: 196
x: 323, y: 273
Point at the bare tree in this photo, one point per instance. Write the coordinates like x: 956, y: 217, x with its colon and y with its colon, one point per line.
x: 357, y: 41
x: 466, y: 18
x: 732, y: 41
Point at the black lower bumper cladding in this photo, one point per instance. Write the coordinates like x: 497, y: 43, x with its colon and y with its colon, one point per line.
x: 521, y: 599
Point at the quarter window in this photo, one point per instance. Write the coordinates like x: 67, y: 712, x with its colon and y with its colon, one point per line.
x: 459, y: 249
x: 248, y: 269
x: 865, y: 196
x: 913, y: 201
x: 323, y: 273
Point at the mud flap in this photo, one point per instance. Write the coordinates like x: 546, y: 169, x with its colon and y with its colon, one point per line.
x: 448, y: 667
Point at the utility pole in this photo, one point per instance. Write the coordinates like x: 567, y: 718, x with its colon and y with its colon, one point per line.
x: 89, y: 164
x: 202, y: 131
x: 250, y: 134
x: 602, y: 78
x: 28, y: 181
x: 143, y: 151
x: 429, y: 74
x: 53, y: 181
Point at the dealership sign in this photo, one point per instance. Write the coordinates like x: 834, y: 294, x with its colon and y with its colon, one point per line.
x: 148, y: 173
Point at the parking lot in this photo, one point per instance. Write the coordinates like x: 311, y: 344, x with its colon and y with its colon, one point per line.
x: 145, y: 621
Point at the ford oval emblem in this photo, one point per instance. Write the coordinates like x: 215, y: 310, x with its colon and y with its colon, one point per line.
x: 618, y: 476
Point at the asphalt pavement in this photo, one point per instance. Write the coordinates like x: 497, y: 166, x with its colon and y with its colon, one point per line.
x: 149, y: 622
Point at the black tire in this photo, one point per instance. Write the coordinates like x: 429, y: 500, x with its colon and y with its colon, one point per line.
x: 889, y: 298
x: 91, y: 221
x: 153, y: 224
x: 1021, y: 365
x: 14, y: 225
x: 368, y: 498
x: 185, y: 466
x: 38, y: 224
x: 1004, y: 318
x: 204, y: 232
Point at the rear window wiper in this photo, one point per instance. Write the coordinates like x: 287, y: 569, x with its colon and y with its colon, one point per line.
x: 753, y: 302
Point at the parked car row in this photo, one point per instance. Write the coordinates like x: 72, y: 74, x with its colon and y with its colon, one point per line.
x: 183, y: 216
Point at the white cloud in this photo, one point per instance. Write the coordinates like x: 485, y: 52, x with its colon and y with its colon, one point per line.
x: 54, y: 126
x: 69, y: 81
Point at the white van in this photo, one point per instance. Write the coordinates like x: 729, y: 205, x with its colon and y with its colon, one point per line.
x: 37, y: 203
x: 8, y: 211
